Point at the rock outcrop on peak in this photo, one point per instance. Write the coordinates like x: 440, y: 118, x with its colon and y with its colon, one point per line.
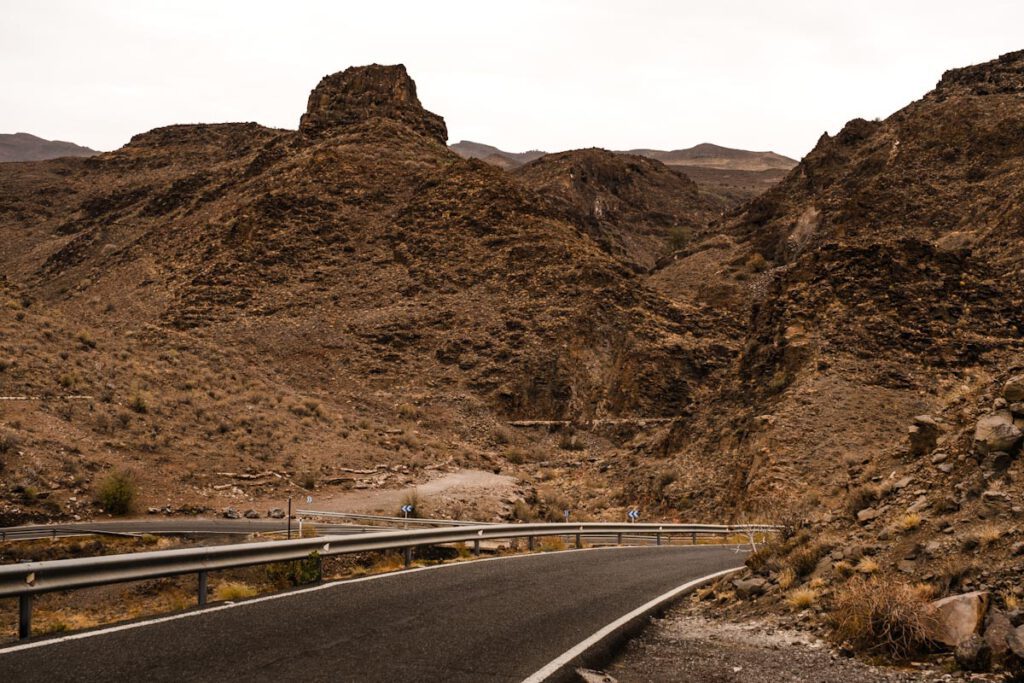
x: 360, y: 94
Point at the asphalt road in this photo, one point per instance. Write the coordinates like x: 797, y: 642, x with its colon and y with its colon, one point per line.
x: 496, y: 620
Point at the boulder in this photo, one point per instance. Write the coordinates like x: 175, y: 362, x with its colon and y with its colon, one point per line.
x: 996, y: 432
x: 750, y: 588
x: 1015, y: 641
x: 973, y: 654
x: 995, y: 498
x: 231, y: 513
x: 959, y: 617
x: 998, y: 630
x: 1017, y: 408
x: 923, y: 435
x: 1013, y: 390
x: 997, y: 461
x: 867, y: 514
x: 276, y: 513
x: 252, y: 514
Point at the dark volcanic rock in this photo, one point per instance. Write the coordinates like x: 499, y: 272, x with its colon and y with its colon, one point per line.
x: 359, y: 94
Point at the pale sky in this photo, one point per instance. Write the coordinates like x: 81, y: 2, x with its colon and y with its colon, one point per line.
x: 549, y: 74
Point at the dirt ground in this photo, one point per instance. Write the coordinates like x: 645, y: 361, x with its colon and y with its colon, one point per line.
x: 686, y: 647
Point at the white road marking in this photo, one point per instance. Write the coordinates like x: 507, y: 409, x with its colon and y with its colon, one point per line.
x: 277, y: 596
x: 554, y: 665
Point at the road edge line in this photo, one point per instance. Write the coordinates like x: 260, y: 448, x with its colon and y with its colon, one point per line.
x: 559, y: 666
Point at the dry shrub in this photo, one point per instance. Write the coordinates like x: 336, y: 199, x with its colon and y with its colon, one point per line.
x: 883, y: 617
x: 552, y: 544
x: 233, y: 590
x: 843, y: 569
x: 804, y: 560
x: 952, y: 571
x: 909, y: 522
x: 868, y: 565
x: 802, y: 598
x: 787, y: 578
x: 860, y: 498
x: 989, y: 535
x: 117, y: 493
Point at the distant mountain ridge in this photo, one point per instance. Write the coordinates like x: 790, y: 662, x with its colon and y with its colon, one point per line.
x: 28, y: 147
x: 704, y: 154
x: 727, y: 177
x: 716, y: 156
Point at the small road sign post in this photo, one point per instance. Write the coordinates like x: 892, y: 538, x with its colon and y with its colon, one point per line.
x: 289, y: 518
x: 633, y: 515
x: 406, y: 509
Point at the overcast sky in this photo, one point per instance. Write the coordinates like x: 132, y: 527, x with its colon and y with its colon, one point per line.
x: 552, y: 74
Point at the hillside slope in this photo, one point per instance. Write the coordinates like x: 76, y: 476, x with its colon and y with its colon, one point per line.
x: 886, y: 319
x: 308, y: 293
x: 26, y: 147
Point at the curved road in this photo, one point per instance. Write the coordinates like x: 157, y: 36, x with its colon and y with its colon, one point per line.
x: 491, y: 620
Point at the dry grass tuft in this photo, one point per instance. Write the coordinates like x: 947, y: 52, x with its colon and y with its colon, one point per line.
x: 233, y: 590
x: 551, y: 544
x: 909, y: 522
x: 787, y: 578
x: 868, y: 566
x: 802, y: 598
x: 882, y: 617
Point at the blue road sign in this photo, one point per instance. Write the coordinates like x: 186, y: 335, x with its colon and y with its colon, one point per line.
x: 565, y: 513
x: 633, y: 515
x: 407, y: 509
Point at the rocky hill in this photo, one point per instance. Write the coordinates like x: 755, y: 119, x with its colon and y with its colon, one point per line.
x: 232, y: 298
x: 637, y: 209
x: 26, y: 147
x: 726, y: 177
x: 875, y: 396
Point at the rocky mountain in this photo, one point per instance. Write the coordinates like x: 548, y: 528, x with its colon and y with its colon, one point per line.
x: 635, y: 208
x: 708, y: 155
x: 349, y: 295
x: 726, y: 176
x: 26, y: 147
x: 875, y: 396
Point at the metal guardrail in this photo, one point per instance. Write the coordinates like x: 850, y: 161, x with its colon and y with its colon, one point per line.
x: 31, y: 578
x: 419, y: 521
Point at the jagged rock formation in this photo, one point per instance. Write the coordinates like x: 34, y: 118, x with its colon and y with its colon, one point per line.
x: 360, y: 94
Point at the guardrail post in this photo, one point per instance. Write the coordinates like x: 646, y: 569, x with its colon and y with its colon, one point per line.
x: 657, y: 539
x: 408, y: 556
x: 618, y: 539
x: 24, y: 616
x: 693, y: 538
x: 579, y: 541
x: 476, y: 547
x: 529, y: 543
x: 202, y: 589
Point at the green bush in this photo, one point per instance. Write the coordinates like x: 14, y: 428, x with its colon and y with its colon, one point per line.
x: 297, y: 573
x: 116, y: 493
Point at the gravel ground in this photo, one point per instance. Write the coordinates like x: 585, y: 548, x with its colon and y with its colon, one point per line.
x: 688, y: 647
